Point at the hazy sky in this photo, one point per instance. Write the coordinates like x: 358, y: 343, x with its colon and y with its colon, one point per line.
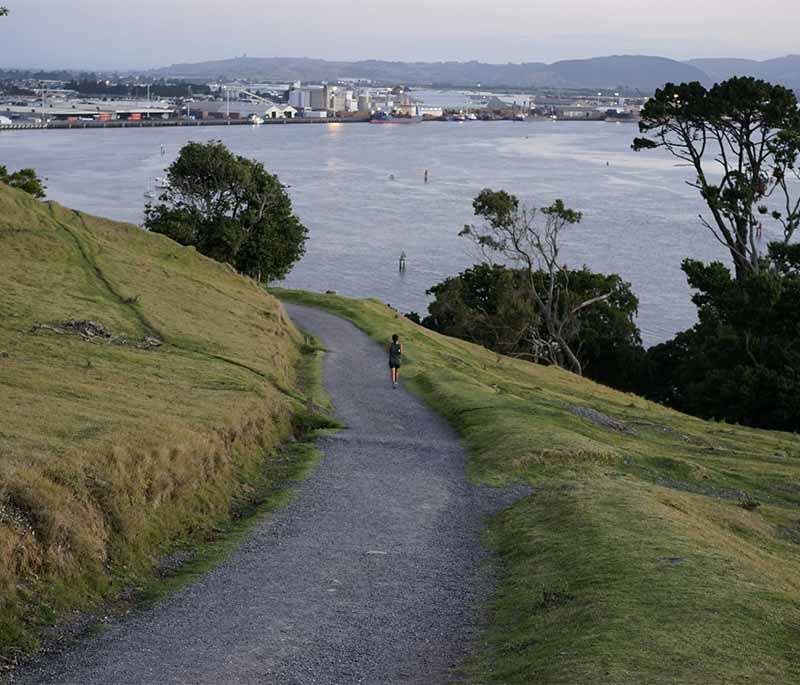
x: 142, y: 33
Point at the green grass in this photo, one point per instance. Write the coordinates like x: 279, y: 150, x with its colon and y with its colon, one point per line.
x: 634, y: 560
x: 268, y: 488
x: 113, y: 451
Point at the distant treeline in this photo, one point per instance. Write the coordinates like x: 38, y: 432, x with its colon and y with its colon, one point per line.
x: 104, y: 87
x: 57, y: 75
x: 94, y: 83
x: 14, y: 90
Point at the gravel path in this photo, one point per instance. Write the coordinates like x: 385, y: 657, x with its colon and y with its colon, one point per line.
x: 371, y: 575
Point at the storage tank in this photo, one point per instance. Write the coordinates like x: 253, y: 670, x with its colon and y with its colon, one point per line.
x: 364, y: 102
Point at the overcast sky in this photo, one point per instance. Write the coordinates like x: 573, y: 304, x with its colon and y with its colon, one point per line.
x: 123, y: 34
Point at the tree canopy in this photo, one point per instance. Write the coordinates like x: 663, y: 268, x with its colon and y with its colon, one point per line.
x: 741, y: 361
x: 492, y: 305
x: 529, y: 238
x: 231, y: 209
x: 24, y: 179
x: 742, y: 138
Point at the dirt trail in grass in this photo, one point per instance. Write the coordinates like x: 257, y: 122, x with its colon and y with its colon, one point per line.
x: 372, y: 574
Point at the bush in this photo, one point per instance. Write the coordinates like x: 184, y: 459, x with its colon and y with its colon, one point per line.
x: 25, y: 180
x: 231, y: 209
x: 492, y: 306
x: 741, y: 361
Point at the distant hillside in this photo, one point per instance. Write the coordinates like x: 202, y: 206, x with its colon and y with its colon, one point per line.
x: 305, y: 69
x: 721, y: 68
x: 632, y: 72
x: 784, y: 70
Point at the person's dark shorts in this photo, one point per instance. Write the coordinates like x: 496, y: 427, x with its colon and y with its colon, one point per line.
x: 394, y: 365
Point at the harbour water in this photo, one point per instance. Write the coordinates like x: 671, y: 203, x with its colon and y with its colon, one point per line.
x: 360, y: 190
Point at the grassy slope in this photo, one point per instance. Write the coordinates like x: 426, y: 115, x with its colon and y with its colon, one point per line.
x: 109, y: 450
x: 633, y: 561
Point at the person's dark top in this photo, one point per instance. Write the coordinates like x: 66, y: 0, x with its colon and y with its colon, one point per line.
x: 394, y: 354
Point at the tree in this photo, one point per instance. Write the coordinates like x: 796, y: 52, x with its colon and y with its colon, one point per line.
x: 3, y: 11
x: 747, y: 129
x: 491, y: 305
x: 740, y: 362
x: 488, y: 305
x: 231, y: 209
x: 516, y: 233
x: 24, y: 179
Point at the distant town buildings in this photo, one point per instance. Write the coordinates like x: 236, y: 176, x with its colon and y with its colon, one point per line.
x: 33, y: 102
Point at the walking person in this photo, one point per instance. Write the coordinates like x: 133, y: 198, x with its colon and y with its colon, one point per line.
x: 395, y: 358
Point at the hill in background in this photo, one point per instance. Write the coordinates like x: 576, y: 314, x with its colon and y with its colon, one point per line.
x: 783, y: 70
x: 629, y: 72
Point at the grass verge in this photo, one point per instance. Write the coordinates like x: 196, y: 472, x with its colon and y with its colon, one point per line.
x: 269, y: 488
x: 155, y: 424
x: 656, y: 548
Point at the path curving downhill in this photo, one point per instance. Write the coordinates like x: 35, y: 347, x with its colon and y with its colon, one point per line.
x: 371, y: 575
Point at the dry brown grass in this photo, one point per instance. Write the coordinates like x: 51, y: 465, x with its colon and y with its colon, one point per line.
x: 108, y: 451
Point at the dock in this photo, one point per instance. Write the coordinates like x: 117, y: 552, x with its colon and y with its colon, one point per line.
x: 159, y: 123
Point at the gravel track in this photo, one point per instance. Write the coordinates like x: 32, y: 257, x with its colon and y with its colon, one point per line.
x: 372, y: 574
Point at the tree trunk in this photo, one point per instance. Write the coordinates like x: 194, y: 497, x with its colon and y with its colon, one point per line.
x: 573, y: 363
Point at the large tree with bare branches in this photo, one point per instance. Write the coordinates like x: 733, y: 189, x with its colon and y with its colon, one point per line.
x: 529, y: 239
x: 742, y: 139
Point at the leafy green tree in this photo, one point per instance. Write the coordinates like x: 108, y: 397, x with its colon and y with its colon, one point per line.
x: 24, y: 179
x: 529, y: 239
x: 487, y: 304
x: 231, y: 209
x: 492, y: 305
x: 747, y: 129
x: 3, y: 11
x: 739, y: 363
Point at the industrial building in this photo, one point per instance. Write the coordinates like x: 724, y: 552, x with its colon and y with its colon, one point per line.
x: 100, y: 111
x: 326, y: 97
x: 280, y: 112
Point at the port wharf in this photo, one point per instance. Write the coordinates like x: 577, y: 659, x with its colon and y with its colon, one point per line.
x: 159, y: 123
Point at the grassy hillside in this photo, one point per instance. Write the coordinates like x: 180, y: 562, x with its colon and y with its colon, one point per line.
x: 656, y: 548
x: 112, y: 446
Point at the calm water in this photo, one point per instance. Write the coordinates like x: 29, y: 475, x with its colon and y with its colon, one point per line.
x: 640, y: 219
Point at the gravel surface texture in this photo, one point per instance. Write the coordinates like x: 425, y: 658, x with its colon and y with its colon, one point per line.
x: 373, y: 574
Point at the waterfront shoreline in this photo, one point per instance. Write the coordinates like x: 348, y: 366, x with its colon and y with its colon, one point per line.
x: 172, y: 123
x: 176, y: 123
